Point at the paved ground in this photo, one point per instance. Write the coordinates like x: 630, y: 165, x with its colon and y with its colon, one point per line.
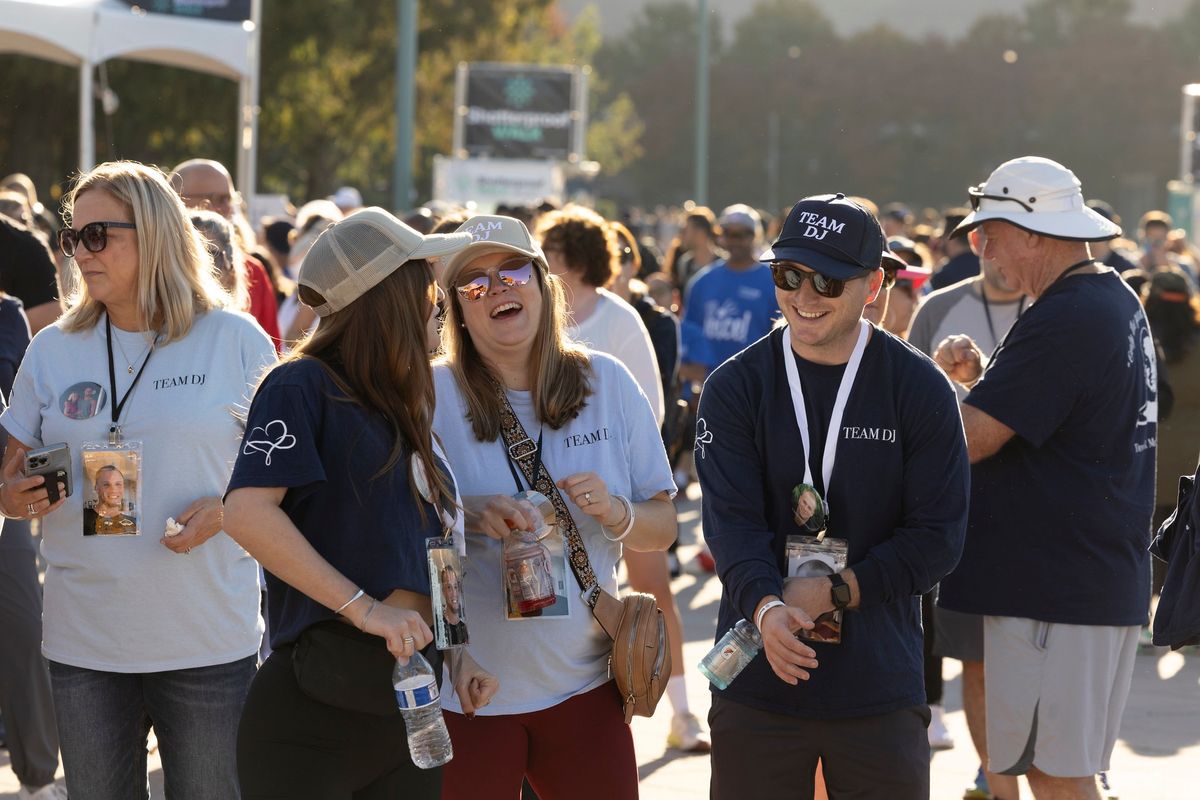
x: 1157, y: 757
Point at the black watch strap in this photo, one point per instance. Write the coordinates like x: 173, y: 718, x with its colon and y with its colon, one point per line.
x: 839, y: 593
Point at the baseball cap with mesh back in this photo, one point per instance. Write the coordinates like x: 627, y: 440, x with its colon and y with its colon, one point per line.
x: 354, y: 254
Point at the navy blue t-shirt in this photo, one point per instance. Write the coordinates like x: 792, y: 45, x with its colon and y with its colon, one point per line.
x: 304, y: 434
x: 898, y: 495
x: 1060, y: 517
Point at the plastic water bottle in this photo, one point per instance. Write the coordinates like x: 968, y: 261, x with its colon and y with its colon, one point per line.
x: 729, y: 657
x: 417, y: 695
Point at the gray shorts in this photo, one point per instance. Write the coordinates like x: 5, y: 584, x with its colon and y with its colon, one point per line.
x: 1055, y: 694
x: 957, y: 634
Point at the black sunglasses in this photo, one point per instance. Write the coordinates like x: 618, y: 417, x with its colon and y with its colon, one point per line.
x: 977, y: 194
x: 889, y: 277
x: 791, y: 279
x: 93, y: 236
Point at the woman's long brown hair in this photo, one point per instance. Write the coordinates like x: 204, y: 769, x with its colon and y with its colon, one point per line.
x: 375, y: 350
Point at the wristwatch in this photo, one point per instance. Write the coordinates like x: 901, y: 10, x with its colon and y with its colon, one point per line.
x: 839, y: 592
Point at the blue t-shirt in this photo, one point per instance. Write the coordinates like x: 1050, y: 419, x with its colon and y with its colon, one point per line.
x: 898, y: 495
x: 1060, y: 517
x: 304, y: 434
x: 14, y: 340
x: 725, y: 310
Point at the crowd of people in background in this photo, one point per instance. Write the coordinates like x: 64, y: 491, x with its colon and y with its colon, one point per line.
x: 588, y: 324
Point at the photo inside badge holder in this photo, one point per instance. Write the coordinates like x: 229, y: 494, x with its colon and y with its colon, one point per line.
x: 127, y: 463
x: 447, y: 579
x: 809, y: 510
x: 561, y: 608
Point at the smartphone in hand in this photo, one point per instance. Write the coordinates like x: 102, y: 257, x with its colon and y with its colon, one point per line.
x: 53, y: 462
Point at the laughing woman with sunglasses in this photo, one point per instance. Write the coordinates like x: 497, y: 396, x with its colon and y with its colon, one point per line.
x: 144, y: 372
x: 557, y: 718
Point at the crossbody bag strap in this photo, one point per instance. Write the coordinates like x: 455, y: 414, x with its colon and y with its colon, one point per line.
x: 521, y: 449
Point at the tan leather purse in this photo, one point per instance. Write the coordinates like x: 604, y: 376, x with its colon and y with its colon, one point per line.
x: 640, y: 661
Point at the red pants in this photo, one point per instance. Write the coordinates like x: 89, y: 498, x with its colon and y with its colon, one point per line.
x: 580, y: 749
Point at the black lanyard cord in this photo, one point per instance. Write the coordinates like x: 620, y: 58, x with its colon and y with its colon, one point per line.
x: 537, y: 464
x: 1053, y: 284
x: 112, y: 375
x: 987, y: 313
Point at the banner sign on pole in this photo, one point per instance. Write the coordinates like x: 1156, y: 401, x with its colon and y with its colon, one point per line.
x: 520, y: 111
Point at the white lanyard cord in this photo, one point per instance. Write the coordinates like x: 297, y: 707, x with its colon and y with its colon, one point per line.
x: 839, y: 406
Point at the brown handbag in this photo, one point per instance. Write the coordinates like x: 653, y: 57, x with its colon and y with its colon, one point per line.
x: 640, y: 661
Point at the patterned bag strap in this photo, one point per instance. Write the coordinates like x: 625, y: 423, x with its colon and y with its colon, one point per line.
x: 520, y: 448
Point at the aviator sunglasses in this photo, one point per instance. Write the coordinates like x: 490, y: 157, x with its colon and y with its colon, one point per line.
x: 791, y: 279
x: 510, y: 274
x: 93, y: 236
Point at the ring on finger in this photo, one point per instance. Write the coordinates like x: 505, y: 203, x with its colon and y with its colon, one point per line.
x: 31, y: 509
x: 587, y: 498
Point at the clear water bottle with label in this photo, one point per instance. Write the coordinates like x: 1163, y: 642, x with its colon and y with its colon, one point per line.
x: 729, y: 657
x: 417, y: 695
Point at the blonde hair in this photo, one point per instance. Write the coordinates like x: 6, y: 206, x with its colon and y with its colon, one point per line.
x: 175, y: 282
x: 559, y: 369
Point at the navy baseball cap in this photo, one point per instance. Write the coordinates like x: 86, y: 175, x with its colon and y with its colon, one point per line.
x: 832, y: 235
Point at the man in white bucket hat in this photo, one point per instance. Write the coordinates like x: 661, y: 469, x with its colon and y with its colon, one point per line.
x: 1061, y: 428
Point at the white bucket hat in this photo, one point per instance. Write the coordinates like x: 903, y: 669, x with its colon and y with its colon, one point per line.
x: 1040, y: 196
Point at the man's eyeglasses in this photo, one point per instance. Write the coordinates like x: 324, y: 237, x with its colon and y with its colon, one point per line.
x: 510, y: 274
x: 791, y: 279
x: 93, y: 236
x: 210, y: 199
x: 977, y: 194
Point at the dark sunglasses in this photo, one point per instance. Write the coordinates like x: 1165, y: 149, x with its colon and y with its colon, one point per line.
x: 510, y: 274
x: 93, y: 236
x: 791, y: 279
x: 889, y: 278
x: 976, y: 193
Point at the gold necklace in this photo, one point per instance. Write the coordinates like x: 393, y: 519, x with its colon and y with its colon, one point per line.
x: 128, y: 363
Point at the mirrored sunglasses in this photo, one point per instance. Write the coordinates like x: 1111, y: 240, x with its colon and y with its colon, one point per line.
x: 791, y: 279
x: 511, y: 274
x: 93, y: 236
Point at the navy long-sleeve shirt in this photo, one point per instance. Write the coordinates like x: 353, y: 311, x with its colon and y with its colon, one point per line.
x: 898, y: 495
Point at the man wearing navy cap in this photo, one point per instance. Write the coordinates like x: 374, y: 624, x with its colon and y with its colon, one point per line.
x: 832, y: 404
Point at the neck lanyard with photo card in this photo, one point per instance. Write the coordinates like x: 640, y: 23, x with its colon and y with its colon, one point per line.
x: 113, y: 470
x: 839, y: 406
x: 819, y: 556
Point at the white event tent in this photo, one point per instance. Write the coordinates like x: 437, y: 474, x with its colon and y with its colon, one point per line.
x: 86, y: 33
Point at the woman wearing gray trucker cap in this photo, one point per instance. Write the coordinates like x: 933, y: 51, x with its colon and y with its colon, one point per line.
x: 335, y: 491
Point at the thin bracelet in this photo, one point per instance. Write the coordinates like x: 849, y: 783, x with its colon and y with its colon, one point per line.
x: 762, y: 612
x: 630, y: 516
x: 371, y: 608
x: 347, y: 604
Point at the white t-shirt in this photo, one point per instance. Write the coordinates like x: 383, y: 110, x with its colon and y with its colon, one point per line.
x: 616, y: 328
x: 127, y: 603
x: 542, y: 662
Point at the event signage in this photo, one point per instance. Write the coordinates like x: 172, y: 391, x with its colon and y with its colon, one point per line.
x: 519, y: 111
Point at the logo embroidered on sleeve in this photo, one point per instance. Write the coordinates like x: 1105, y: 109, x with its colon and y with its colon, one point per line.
x: 274, y: 436
x: 703, y: 436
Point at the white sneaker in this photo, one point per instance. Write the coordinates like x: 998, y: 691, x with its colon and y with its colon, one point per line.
x: 939, y: 736
x: 1107, y: 790
x: 51, y: 791
x: 687, y: 735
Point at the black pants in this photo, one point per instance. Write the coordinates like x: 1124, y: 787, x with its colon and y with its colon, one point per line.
x: 291, y: 747
x: 760, y: 754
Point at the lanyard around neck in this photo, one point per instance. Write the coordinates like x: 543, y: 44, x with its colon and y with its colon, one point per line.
x: 511, y: 457
x: 114, y: 431
x: 839, y: 406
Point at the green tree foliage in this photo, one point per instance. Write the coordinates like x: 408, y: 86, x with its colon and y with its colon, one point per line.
x: 891, y: 117
x: 327, y: 96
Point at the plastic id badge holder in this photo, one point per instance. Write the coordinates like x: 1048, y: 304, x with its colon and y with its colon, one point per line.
x: 111, y: 487
x: 446, y: 582
x: 814, y: 557
x: 534, y: 565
